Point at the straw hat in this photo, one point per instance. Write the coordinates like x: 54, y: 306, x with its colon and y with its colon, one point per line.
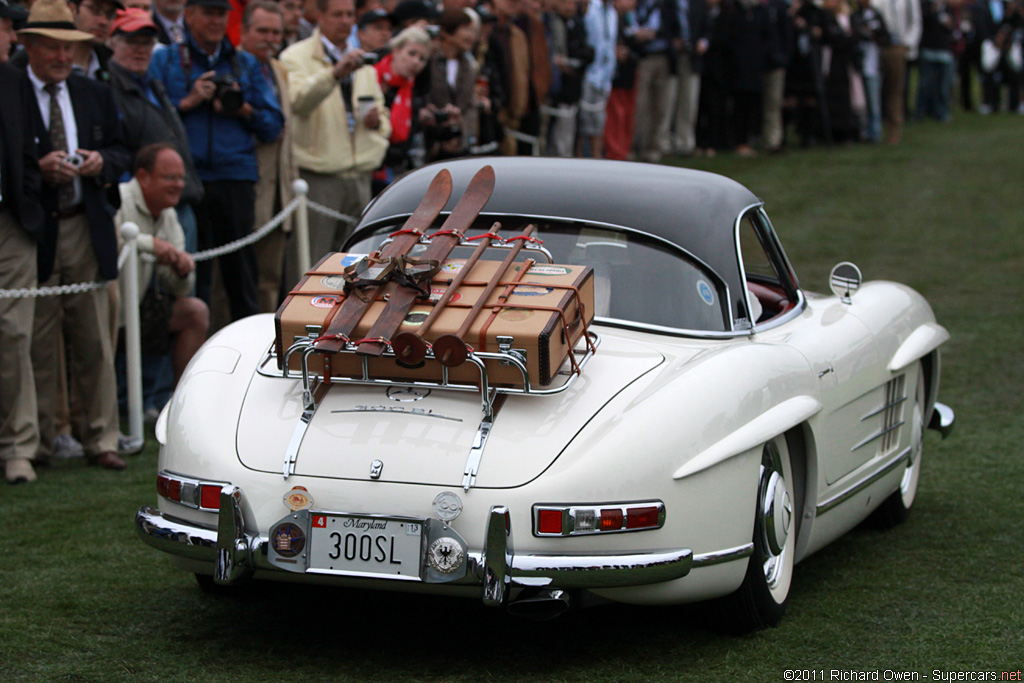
x: 53, y: 19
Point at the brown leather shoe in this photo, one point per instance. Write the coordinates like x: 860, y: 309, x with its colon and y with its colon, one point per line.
x: 19, y: 471
x: 108, y: 460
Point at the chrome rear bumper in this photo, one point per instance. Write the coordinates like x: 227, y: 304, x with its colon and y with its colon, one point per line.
x: 236, y: 555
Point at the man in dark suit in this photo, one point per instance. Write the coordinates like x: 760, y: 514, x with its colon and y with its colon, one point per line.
x: 21, y: 225
x: 169, y: 17
x: 78, y: 141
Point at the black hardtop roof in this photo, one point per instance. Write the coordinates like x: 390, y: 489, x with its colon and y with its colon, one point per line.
x: 693, y: 209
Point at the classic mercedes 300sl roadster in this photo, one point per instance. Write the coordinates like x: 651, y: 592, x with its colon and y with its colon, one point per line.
x: 546, y: 382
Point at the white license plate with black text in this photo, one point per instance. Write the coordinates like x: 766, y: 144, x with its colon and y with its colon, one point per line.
x: 371, y: 546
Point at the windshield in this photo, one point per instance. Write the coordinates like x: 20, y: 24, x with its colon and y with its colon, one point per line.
x: 637, y: 278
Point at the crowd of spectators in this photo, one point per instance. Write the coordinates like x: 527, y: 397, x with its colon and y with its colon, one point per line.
x: 194, y: 117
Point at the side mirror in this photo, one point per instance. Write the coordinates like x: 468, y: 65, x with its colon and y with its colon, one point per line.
x: 844, y: 280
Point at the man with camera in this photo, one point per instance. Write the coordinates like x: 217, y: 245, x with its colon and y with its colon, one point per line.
x: 78, y: 137
x: 226, y: 105
x: 341, y: 123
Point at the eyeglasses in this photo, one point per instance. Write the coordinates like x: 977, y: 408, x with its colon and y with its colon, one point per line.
x: 167, y: 178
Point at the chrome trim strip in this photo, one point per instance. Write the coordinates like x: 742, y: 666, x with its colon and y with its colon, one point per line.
x: 879, y: 434
x: 476, y: 453
x: 722, y: 556
x: 600, y: 571
x: 884, y: 408
x: 854, y: 489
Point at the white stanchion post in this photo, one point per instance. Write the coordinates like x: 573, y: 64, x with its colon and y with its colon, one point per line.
x: 133, y: 346
x: 301, y: 189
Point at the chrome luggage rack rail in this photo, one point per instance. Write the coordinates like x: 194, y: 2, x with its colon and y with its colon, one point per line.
x: 583, y: 352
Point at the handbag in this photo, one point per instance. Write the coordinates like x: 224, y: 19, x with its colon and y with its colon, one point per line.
x: 155, y: 318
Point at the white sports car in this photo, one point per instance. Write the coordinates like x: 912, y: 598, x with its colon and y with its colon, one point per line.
x: 717, y: 424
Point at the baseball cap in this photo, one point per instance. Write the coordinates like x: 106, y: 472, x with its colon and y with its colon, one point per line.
x: 12, y: 11
x: 409, y: 10
x: 219, y: 4
x: 133, y: 22
x: 372, y: 17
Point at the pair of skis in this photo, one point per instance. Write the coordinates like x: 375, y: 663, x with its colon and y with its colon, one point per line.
x: 399, y: 298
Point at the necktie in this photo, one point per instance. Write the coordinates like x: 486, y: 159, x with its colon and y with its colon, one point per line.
x: 59, y: 140
x: 176, y: 35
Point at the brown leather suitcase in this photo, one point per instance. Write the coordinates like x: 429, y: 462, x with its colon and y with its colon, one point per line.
x: 542, y: 317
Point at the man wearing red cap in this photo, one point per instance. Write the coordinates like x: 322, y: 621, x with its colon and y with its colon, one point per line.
x: 149, y: 115
x: 77, y: 132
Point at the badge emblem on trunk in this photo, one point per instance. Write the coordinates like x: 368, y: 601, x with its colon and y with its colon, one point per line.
x: 376, y: 467
x: 406, y: 394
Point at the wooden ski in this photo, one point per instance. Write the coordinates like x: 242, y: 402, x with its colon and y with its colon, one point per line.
x: 409, y: 347
x: 452, y: 350
x: 354, y: 307
x: 401, y: 298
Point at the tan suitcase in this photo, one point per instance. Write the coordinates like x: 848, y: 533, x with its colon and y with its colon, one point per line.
x: 542, y: 318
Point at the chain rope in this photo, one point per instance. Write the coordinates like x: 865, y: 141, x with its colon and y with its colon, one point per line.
x: 82, y: 287
x: 330, y: 213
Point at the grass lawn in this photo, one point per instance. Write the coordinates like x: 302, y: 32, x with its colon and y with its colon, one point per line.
x: 82, y: 599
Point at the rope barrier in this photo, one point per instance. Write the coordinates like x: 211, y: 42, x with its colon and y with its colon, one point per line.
x: 82, y: 287
x: 251, y: 238
x: 330, y: 213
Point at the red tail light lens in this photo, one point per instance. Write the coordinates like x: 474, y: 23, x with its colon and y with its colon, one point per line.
x: 641, y: 518
x: 549, y: 522
x: 209, y: 496
x: 189, y: 492
x: 583, y: 520
x: 611, y: 519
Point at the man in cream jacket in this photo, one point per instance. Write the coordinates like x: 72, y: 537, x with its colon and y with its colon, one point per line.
x: 341, y: 123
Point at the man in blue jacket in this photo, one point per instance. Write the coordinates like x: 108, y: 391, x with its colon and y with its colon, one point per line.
x: 224, y: 102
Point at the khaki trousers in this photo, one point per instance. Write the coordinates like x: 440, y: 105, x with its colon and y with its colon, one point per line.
x: 894, y: 78
x: 654, y: 95
x: 774, y: 88
x: 19, y: 430
x: 687, y: 98
x: 346, y: 193
x: 86, y: 330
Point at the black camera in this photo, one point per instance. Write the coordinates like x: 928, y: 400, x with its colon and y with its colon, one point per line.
x: 228, y: 94
x: 441, y: 117
x: 370, y: 58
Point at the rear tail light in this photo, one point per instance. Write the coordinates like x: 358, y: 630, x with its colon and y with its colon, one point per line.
x: 191, y: 493
x: 580, y: 520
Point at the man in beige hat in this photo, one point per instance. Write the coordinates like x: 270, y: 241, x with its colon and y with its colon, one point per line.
x: 90, y: 57
x: 78, y: 141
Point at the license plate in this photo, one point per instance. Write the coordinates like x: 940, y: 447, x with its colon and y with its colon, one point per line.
x: 382, y: 547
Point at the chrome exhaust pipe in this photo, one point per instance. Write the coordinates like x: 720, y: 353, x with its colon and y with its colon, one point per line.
x: 541, y: 605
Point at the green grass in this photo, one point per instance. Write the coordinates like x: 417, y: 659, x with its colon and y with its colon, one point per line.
x: 82, y: 599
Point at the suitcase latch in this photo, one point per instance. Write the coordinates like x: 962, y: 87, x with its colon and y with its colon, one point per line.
x: 312, y: 332
x: 505, y: 346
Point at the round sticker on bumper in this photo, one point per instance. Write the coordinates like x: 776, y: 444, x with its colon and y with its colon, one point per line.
x: 707, y: 295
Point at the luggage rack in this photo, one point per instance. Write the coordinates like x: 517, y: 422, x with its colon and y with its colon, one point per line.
x: 507, y: 356
x: 314, y: 388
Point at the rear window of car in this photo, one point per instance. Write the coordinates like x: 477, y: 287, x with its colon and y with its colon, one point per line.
x: 637, y: 278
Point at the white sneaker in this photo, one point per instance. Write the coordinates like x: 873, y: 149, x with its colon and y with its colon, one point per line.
x: 127, y: 445
x: 66, y: 446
